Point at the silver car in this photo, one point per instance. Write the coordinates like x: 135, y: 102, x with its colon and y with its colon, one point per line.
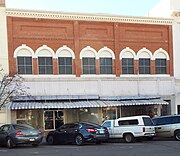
x: 168, y: 126
x: 14, y: 134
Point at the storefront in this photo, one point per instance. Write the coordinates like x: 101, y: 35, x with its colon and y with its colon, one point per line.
x: 49, y: 115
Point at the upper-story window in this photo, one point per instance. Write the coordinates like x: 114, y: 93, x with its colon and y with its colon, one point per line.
x: 161, y: 57
x: 65, y: 57
x: 24, y: 64
x: 127, y: 57
x: 45, y: 65
x: 88, y: 56
x: 24, y: 55
x: 106, y: 57
x: 127, y: 65
x: 144, y: 66
x: 161, y: 66
x: 89, y: 65
x: 106, y: 66
x: 45, y: 57
x: 65, y: 65
x: 145, y: 57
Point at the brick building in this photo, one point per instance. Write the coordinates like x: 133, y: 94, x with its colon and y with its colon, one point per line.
x: 82, y: 67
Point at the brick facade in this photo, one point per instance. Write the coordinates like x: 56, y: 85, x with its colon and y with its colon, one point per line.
x: 77, y: 35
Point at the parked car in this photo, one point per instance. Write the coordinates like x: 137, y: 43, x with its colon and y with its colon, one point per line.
x: 14, y: 134
x: 130, y: 128
x: 168, y: 126
x: 78, y: 133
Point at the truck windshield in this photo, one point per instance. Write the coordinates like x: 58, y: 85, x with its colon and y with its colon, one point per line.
x: 147, y: 121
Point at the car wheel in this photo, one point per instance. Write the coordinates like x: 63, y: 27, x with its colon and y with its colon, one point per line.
x: 9, y: 143
x: 35, y: 144
x: 50, y: 140
x: 129, y: 138
x: 79, y: 140
x: 177, y: 135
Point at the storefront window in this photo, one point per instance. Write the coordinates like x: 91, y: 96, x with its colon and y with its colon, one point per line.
x: 53, y: 119
x: 139, y: 110
x: 30, y: 117
x: 111, y: 113
x: 89, y: 115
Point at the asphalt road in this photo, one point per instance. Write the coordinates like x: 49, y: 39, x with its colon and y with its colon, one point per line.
x: 144, y: 148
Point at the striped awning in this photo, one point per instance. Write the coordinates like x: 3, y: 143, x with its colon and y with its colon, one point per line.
x: 135, y: 102
x: 83, y: 104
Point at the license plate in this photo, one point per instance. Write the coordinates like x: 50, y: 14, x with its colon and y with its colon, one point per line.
x: 32, y: 139
x: 101, y: 131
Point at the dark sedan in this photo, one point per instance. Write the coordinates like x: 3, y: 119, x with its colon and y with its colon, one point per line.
x: 14, y: 134
x: 78, y: 133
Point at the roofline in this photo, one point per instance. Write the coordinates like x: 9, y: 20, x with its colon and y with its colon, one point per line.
x: 87, y: 17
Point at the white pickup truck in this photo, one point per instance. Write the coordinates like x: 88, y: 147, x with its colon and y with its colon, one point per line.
x: 130, y: 128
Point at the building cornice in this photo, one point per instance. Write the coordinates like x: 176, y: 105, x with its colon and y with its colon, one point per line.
x: 175, y: 14
x: 87, y: 17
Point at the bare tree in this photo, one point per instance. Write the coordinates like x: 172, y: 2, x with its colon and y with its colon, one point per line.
x: 10, y: 86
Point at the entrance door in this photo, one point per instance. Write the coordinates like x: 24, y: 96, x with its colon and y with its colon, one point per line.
x: 53, y: 119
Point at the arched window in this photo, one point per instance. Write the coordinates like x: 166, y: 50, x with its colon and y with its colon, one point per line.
x: 88, y: 56
x: 144, y: 56
x: 45, y: 57
x: 65, y: 56
x: 23, y: 55
x: 127, y: 57
x: 106, y: 57
x: 161, y: 57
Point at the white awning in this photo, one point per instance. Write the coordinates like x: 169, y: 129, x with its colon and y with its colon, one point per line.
x: 135, y: 102
x: 83, y: 104
x: 54, y: 105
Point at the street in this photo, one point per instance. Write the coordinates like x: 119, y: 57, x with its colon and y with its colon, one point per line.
x: 144, y: 148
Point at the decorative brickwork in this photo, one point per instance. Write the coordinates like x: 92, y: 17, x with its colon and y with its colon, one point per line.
x: 77, y: 32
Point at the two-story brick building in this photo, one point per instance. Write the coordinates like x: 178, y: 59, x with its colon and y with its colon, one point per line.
x: 89, y: 67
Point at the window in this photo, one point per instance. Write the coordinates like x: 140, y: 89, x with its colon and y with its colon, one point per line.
x: 107, y: 124
x: 24, y: 65
x: 53, y: 119
x: 105, y: 65
x: 65, y: 65
x: 163, y: 121
x: 160, y: 66
x: 128, y: 122
x: 147, y: 121
x: 127, y: 66
x: 45, y: 65
x: 89, y: 65
x: 33, y: 118
x: 5, y: 128
x: 144, y: 66
x: 176, y: 119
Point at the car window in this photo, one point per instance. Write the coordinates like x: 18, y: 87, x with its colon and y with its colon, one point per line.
x: 65, y: 126
x: 107, y: 124
x: 147, y: 121
x: 22, y: 127
x: 164, y: 121
x: 73, y: 126
x: 176, y: 119
x: 5, y: 128
x: 90, y: 125
x: 128, y: 122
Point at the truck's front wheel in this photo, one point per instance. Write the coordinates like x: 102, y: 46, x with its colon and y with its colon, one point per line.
x: 128, y: 138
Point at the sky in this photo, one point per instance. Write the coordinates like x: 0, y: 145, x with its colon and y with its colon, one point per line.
x: 114, y: 7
